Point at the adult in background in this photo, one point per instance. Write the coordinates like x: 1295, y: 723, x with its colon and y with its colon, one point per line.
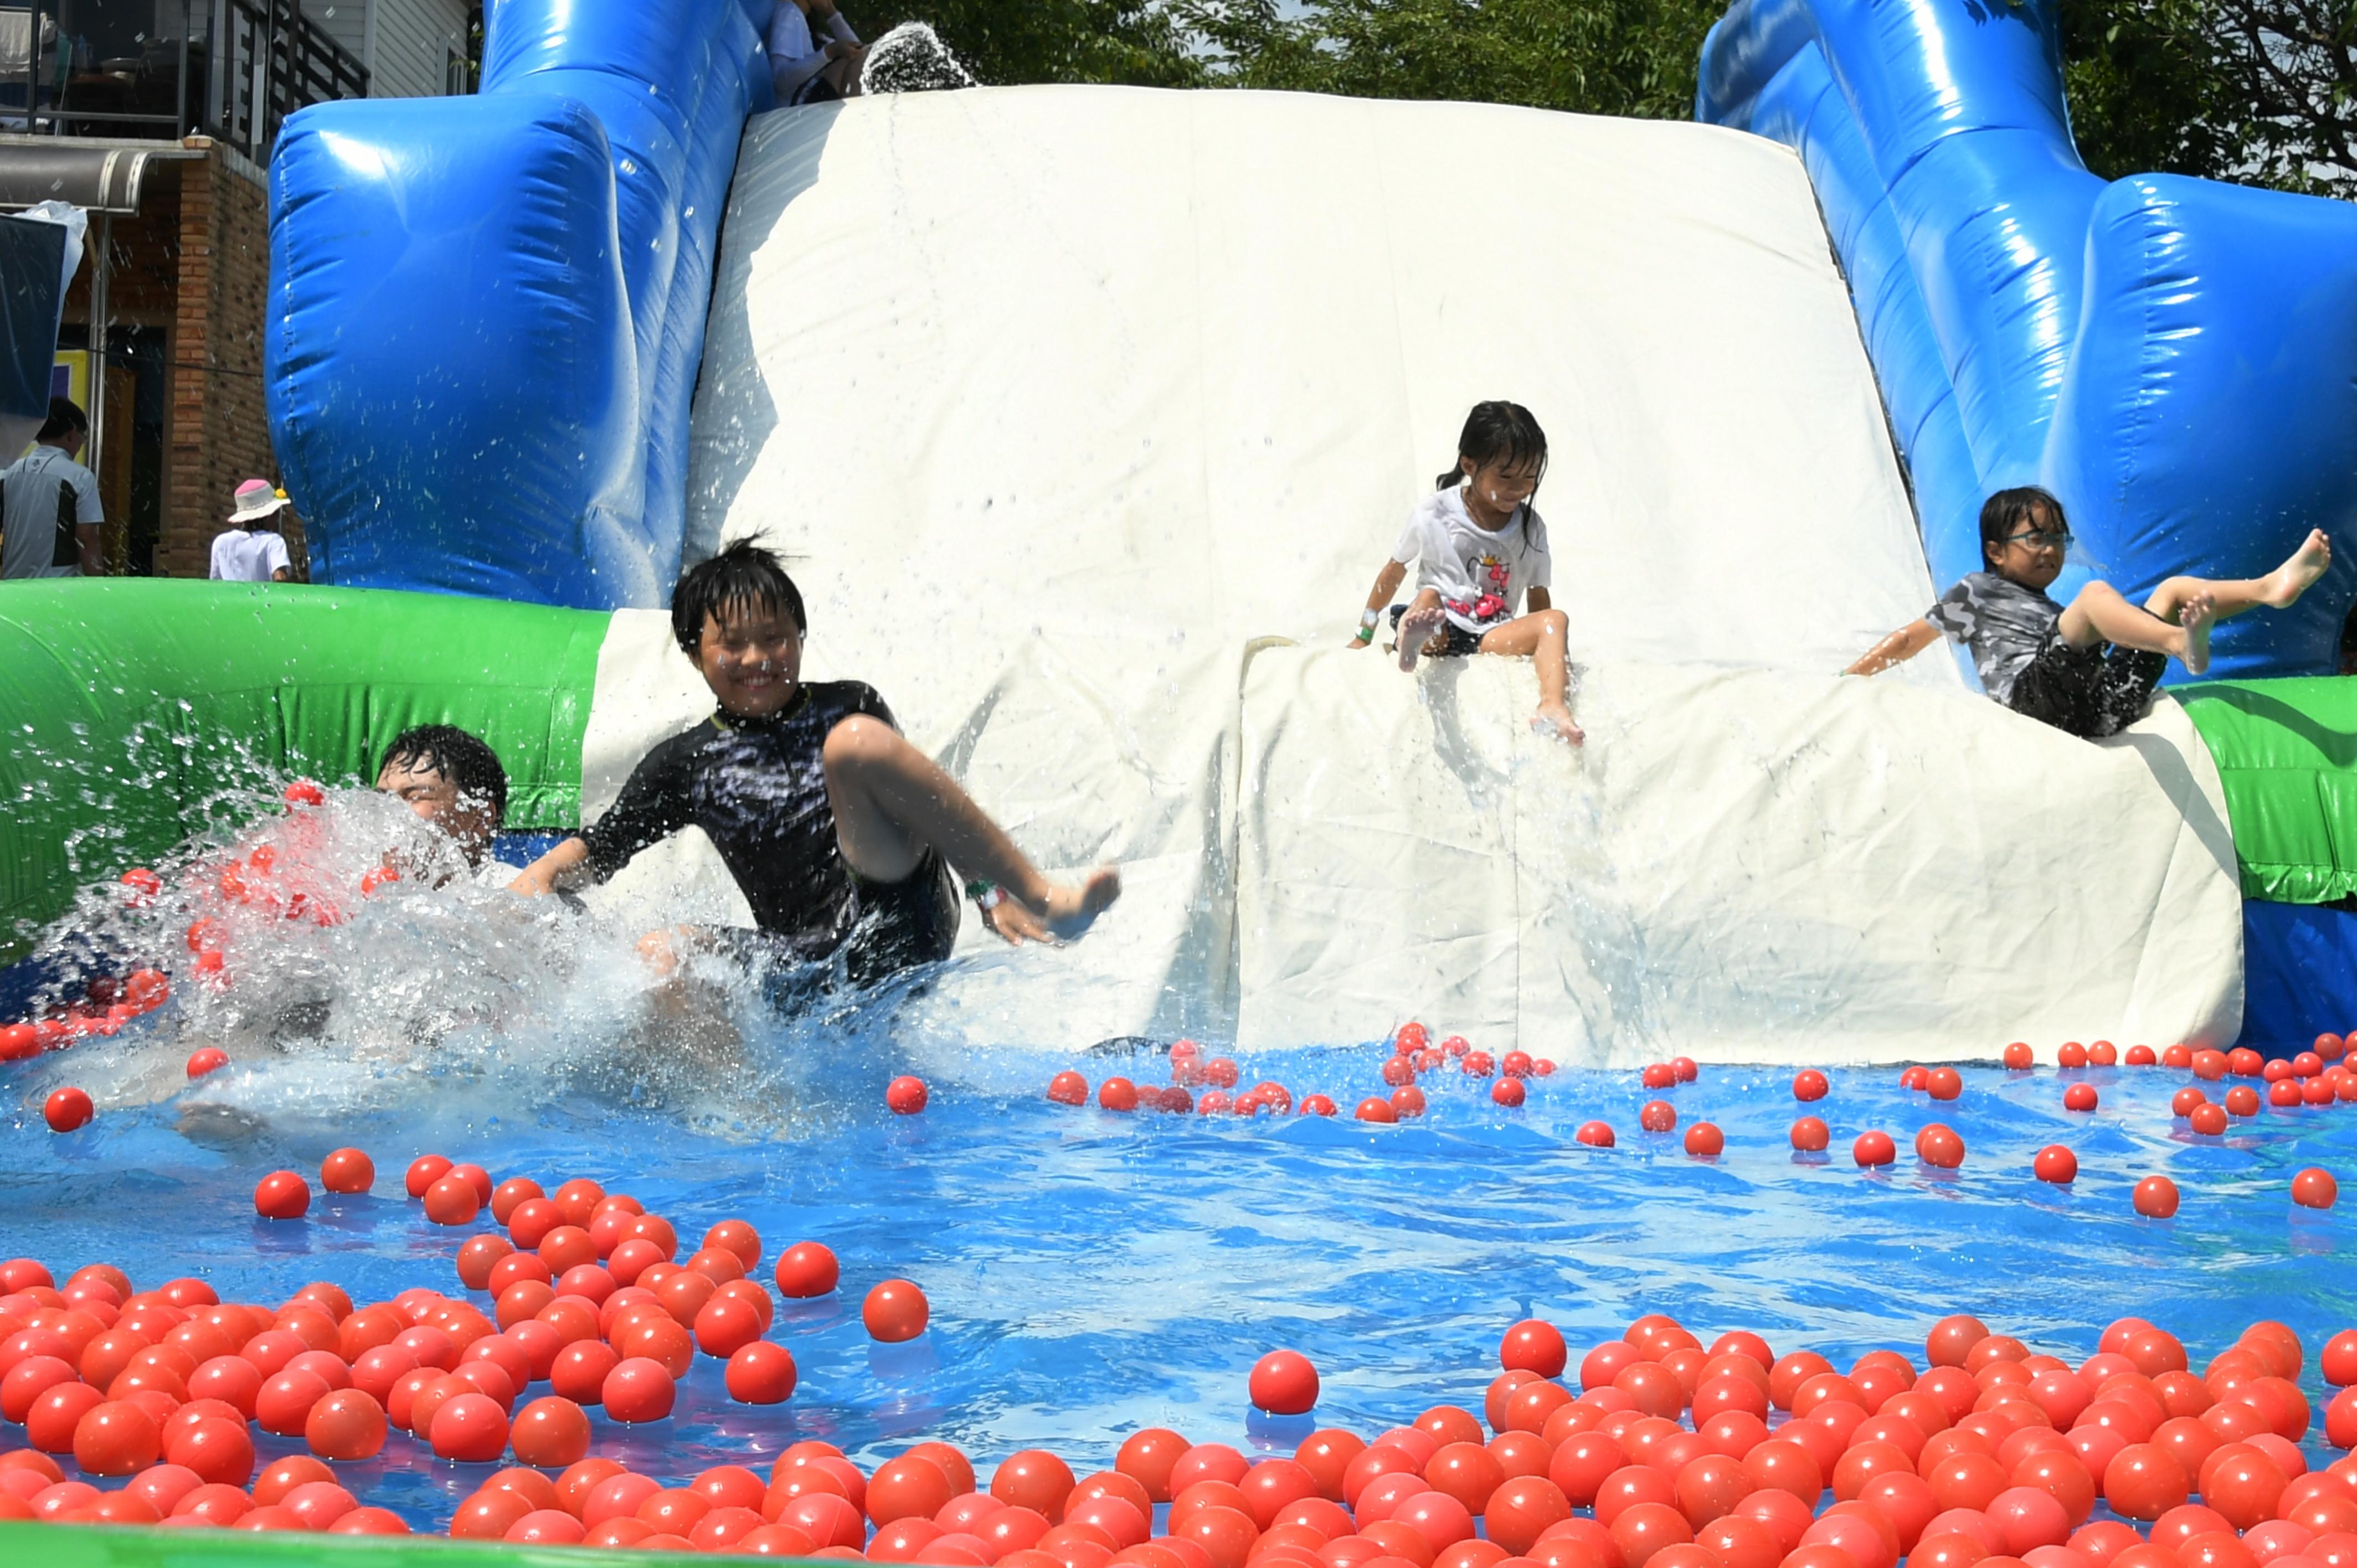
x: 803, y: 71
x: 251, y: 550
x: 50, y: 514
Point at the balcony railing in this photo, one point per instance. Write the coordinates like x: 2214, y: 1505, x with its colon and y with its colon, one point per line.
x: 160, y: 69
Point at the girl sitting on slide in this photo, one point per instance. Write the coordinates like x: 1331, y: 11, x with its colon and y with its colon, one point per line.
x: 805, y: 70
x: 2090, y: 669
x: 1479, y: 546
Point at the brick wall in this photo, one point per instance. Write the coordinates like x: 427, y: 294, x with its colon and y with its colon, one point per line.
x: 218, y: 433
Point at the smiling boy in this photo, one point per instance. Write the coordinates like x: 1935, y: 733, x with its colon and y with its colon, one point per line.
x: 841, y: 834
x: 2088, y: 669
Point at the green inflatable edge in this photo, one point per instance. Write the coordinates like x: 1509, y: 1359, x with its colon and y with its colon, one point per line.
x: 104, y: 1546
x: 2287, y: 756
x: 139, y: 708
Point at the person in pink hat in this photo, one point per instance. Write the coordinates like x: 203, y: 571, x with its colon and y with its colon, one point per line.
x: 251, y: 550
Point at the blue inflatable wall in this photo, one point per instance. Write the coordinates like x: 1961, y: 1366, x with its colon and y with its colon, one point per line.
x: 2176, y: 360
x: 488, y: 311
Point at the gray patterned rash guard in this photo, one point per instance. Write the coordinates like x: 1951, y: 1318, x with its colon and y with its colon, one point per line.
x: 2002, y: 622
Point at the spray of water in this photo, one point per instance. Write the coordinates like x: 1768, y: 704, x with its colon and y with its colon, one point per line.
x: 350, y: 963
x: 911, y: 57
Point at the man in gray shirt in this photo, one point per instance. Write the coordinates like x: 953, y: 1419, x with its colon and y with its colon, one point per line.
x: 50, y: 514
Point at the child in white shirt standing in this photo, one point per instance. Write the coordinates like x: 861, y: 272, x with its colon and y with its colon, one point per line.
x: 1479, y: 546
x: 805, y: 70
x: 253, y: 550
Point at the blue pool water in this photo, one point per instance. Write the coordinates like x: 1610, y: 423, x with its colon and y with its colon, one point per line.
x: 1092, y: 1272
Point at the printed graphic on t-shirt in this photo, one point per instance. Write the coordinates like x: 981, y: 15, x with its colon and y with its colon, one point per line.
x: 1493, y: 576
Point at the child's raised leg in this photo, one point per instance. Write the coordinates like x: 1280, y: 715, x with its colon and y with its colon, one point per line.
x: 2278, y: 589
x: 892, y: 804
x: 1542, y: 635
x: 1416, y: 628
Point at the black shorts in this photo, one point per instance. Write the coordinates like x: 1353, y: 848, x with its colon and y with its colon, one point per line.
x: 1460, y: 643
x: 2087, y: 691
x: 901, y: 926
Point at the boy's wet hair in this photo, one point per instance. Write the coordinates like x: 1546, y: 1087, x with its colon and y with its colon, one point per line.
x: 2003, y: 514
x: 465, y: 759
x: 1500, y: 432
x: 742, y: 579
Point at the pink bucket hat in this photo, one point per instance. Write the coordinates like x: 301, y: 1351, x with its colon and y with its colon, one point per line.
x: 256, y: 497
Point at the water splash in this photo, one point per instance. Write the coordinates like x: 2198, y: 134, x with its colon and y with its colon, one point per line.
x: 911, y: 57
x: 350, y: 963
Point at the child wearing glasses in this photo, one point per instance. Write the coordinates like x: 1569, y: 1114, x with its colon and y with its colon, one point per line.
x: 2088, y: 669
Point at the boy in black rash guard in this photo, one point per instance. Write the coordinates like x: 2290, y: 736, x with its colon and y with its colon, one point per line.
x: 839, y: 831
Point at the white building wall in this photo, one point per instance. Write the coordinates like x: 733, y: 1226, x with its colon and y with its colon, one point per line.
x: 411, y: 44
x: 405, y: 44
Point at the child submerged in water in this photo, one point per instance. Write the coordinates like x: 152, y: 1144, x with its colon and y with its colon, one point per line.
x: 839, y: 831
x: 2088, y: 669
x: 1479, y: 546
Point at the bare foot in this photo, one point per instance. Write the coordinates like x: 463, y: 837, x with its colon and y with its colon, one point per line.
x: 2195, y: 617
x: 1416, y: 630
x: 1072, y: 910
x: 1554, y: 719
x: 2297, y: 575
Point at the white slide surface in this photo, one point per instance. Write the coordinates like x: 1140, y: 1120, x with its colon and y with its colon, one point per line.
x: 1086, y: 417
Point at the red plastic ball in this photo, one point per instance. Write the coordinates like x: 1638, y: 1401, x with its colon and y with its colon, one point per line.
x: 424, y: 1171
x: 1810, y: 1135
x: 1873, y: 1150
x: 346, y: 1423
x: 807, y: 1269
x: 1939, y: 1146
x: 2079, y: 1097
x: 2155, y: 1197
x: 65, y: 1109
x: 282, y: 1195
x: 1658, y: 1116
x: 1944, y: 1083
x: 2018, y: 1057
x: 1534, y: 1346
x: 638, y: 1390
x: 1118, y: 1094
x: 894, y: 1310
x: 1508, y: 1091
x: 1375, y: 1108
x: 906, y: 1095
x: 205, y: 1059
x: 2315, y: 1188
x: 453, y: 1200
x: 1069, y: 1088
x: 1284, y: 1383
x: 1810, y: 1084
x: 2057, y: 1165
x: 1596, y: 1135
x: 2208, y: 1120
x: 551, y: 1432
x: 761, y: 1373
x: 1705, y: 1141
x: 347, y: 1170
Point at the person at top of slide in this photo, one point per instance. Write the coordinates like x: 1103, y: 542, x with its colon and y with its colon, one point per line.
x: 840, y: 832
x: 1479, y: 546
x: 2088, y: 669
x: 803, y: 71
x: 251, y: 550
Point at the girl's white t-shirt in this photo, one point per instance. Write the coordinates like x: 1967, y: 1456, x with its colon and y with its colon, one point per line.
x: 1481, y: 575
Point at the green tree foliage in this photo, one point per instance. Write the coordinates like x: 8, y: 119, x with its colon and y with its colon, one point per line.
x: 1597, y: 57
x: 2260, y: 91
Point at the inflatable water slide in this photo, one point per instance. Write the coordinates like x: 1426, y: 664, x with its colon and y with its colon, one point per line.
x: 1085, y: 415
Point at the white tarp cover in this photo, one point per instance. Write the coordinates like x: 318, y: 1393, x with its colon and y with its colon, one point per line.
x: 1086, y: 417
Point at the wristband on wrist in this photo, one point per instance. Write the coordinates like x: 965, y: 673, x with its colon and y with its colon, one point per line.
x: 1367, y: 619
x: 986, y: 895
x: 1366, y: 634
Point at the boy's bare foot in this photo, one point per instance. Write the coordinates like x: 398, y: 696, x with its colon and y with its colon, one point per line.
x: 1072, y: 910
x: 1416, y: 630
x: 2297, y: 575
x: 2195, y: 619
x: 1553, y: 718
